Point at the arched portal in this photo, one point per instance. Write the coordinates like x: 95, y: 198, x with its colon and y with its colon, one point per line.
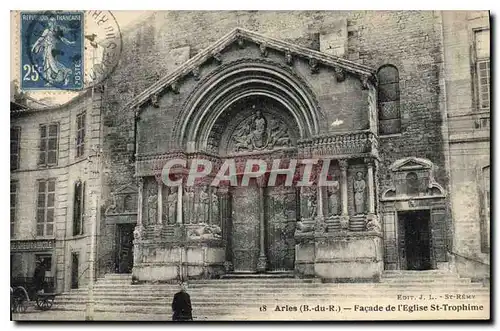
x: 238, y: 82
x: 253, y: 109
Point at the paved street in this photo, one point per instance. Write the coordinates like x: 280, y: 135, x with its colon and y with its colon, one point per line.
x: 58, y: 315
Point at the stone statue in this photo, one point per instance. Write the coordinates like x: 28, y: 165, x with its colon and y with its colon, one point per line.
x: 359, y: 193
x: 333, y: 199
x: 172, y: 206
x: 215, y: 207
x: 202, y: 205
x: 152, y: 207
x: 188, y: 205
x: 259, y: 131
x: 309, y: 205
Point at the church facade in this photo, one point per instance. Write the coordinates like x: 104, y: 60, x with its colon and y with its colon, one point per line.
x: 256, y: 94
x: 364, y: 99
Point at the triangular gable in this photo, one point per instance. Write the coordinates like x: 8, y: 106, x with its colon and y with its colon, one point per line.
x: 126, y: 189
x: 239, y: 35
x: 411, y: 163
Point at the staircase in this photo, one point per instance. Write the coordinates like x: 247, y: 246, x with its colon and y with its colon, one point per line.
x: 243, y: 297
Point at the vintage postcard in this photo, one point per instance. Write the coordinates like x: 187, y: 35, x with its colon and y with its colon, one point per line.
x: 250, y: 165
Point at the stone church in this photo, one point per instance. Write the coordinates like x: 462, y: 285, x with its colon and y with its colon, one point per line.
x: 364, y: 91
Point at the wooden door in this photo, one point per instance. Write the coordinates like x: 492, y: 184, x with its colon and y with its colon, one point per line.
x: 245, y: 228
x: 280, y: 203
x: 125, y: 252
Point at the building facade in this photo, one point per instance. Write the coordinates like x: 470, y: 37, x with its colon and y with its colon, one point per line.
x: 375, y: 94
x: 54, y: 179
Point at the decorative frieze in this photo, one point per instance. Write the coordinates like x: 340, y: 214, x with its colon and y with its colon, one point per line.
x: 356, y: 144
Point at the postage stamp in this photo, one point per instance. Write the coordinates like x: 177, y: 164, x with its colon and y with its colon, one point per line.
x: 52, y: 50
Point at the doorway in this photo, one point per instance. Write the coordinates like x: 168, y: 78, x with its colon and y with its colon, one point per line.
x: 125, y: 248
x: 74, y: 270
x: 414, y: 240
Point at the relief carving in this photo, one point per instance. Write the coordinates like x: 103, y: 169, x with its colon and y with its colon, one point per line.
x: 256, y: 134
x: 373, y: 224
x: 205, y: 231
x: 359, y: 193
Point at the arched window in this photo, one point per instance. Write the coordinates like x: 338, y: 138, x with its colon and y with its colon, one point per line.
x: 388, y: 100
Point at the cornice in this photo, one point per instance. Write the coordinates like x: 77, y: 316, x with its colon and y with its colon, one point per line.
x: 239, y: 35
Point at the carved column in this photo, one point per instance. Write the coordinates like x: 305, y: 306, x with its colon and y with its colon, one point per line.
x: 344, y: 220
x: 262, y: 262
x: 179, y: 204
x: 140, y: 181
x: 160, y: 203
x: 320, y: 202
x: 370, y: 185
x: 225, y: 214
x: 343, y: 186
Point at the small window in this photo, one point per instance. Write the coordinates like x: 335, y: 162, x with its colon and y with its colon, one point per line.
x: 13, y: 208
x: 388, y: 100
x: 49, y: 141
x: 80, y: 135
x: 45, y: 207
x: 15, y: 137
x: 78, y: 208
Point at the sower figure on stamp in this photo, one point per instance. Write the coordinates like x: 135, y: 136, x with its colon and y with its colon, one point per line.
x: 181, y: 305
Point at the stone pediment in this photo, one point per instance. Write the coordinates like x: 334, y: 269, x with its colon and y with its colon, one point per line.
x: 126, y: 189
x: 412, y: 178
x: 124, y: 200
x: 411, y: 163
x: 241, y: 37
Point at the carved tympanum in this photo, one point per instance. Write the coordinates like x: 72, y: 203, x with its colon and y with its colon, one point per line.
x: 259, y: 133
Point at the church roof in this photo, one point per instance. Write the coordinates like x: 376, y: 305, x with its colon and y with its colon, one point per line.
x: 213, y: 51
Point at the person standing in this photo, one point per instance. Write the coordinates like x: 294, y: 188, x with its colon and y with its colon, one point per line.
x: 39, y: 276
x: 181, y: 305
